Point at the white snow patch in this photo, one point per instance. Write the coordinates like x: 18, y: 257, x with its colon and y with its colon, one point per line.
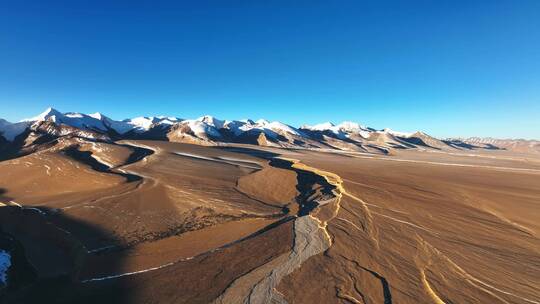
x: 343, y: 130
x: 202, y: 128
x: 34, y: 209
x: 320, y: 127
x: 127, y: 273
x: 278, y: 126
x: 142, y: 124
x: 194, y: 156
x: 5, y: 263
x: 271, y: 129
x: 396, y: 133
x: 212, y: 121
x: 100, y: 248
x: 224, y: 160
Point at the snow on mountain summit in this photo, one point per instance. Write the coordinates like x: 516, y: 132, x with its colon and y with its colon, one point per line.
x: 10, y: 130
x: 320, y: 127
x: 72, y: 119
x: 99, y: 122
x: 208, y: 129
x: 212, y: 121
x: 282, y: 128
x: 397, y: 133
x: 98, y: 116
x: 141, y: 124
x: 206, y: 125
x: 351, y: 126
x: 49, y: 114
x: 343, y: 131
x: 202, y: 126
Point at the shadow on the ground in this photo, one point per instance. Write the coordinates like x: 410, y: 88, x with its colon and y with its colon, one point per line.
x: 48, y: 254
x: 52, y: 253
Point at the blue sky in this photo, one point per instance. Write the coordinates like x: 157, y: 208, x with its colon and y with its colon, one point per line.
x: 449, y: 68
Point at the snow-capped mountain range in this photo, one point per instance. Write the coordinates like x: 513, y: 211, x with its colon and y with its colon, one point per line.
x: 208, y: 130
x: 99, y: 122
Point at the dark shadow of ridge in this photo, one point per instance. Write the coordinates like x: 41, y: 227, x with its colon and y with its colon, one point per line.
x: 48, y: 255
x: 87, y: 158
x: 53, y: 256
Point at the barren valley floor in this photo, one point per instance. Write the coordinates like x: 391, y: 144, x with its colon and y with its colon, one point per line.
x: 159, y: 222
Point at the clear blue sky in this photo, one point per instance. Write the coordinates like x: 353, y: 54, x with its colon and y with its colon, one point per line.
x: 450, y: 68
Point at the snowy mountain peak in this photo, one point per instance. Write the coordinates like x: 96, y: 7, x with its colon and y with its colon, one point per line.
x: 50, y: 111
x: 49, y: 114
x: 350, y: 126
x: 281, y: 128
x: 169, y: 118
x: 320, y: 127
x: 262, y: 122
x: 212, y: 121
x: 246, y: 121
x: 345, y: 135
x: 98, y: 116
x: 396, y: 133
x: 201, y: 128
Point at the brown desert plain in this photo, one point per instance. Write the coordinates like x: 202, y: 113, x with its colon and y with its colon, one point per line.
x: 142, y: 221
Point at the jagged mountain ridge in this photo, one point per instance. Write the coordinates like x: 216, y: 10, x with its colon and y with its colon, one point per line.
x: 208, y: 130
x: 517, y: 145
